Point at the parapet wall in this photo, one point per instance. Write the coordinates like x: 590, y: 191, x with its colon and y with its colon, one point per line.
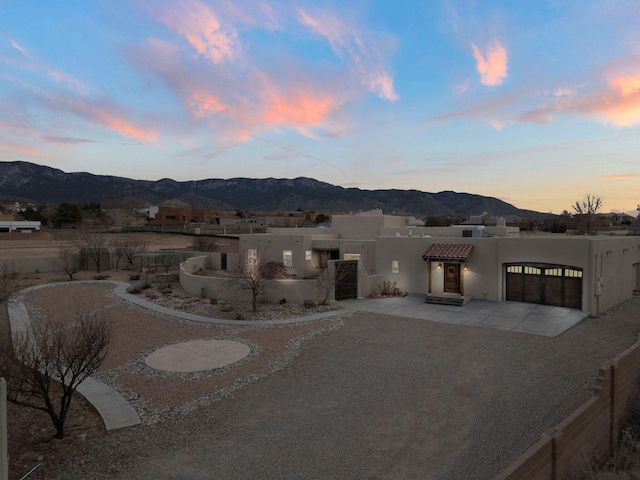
x: 592, y: 432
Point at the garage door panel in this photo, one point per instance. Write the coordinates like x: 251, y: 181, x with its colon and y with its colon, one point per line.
x: 573, y: 292
x: 553, y: 291
x: 515, y: 284
x: 532, y: 288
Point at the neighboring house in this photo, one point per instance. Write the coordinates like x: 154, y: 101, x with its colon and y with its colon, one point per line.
x: 591, y: 273
x: 165, y: 216
x: 634, y: 227
x: 13, y: 226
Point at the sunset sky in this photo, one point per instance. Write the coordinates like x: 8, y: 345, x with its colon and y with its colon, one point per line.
x: 534, y: 102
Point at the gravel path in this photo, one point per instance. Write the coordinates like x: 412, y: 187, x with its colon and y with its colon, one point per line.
x: 379, y: 398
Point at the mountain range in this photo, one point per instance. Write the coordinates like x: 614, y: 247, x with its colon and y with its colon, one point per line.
x: 28, y: 182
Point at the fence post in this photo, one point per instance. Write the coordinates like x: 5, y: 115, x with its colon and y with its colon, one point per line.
x: 4, y: 459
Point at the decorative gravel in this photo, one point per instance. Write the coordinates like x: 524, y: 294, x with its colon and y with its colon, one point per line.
x: 365, y: 396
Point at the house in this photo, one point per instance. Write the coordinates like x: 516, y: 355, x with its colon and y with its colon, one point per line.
x: 14, y: 226
x: 458, y: 263
x: 634, y: 227
x: 164, y: 216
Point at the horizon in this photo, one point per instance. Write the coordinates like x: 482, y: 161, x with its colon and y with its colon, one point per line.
x: 631, y: 213
x: 535, y: 103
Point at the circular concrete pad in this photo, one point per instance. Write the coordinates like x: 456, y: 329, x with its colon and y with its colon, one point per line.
x: 197, y: 355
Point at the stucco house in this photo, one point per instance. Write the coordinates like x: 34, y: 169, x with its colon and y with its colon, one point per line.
x: 455, y: 264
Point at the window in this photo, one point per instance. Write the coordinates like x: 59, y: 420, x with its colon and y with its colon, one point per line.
x: 252, y: 257
x: 570, y: 272
x: 532, y: 271
x: 351, y: 256
x: 394, y: 266
x: 287, y: 258
x: 514, y: 269
x: 553, y: 272
x: 308, y: 255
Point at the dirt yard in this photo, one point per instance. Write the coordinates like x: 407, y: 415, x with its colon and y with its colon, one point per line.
x: 46, y: 243
x: 138, y: 332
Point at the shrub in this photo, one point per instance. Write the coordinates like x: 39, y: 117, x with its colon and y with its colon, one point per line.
x: 101, y: 277
x: 134, y: 289
x: 388, y: 288
x: 134, y: 276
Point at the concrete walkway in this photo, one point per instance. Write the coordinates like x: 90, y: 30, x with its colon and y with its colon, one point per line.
x: 115, y: 411
x: 517, y: 317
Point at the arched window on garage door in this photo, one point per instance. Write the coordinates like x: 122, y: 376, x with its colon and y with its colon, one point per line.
x: 556, y: 285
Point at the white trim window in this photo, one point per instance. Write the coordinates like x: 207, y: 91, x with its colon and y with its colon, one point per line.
x: 395, y: 266
x: 287, y: 258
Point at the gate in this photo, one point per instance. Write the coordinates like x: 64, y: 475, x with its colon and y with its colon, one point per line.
x: 346, y: 279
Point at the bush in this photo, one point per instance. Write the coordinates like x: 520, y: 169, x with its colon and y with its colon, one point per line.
x: 134, y: 276
x: 134, y: 289
x: 389, y: 288
x: 101, y: 277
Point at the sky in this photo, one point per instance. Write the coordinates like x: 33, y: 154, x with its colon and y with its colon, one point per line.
x: 535, y: 102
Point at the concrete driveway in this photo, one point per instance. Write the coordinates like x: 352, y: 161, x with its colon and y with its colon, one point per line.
x: 511, y: 316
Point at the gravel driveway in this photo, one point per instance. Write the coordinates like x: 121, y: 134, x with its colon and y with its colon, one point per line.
x: 379, y: 398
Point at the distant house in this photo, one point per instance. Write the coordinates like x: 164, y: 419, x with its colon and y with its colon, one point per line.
x: 13, y: 226
x: 165, y: 216
x: 634, y: 227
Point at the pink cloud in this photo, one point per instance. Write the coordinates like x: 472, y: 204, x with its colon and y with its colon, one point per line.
x: 296, y: 108
x: 492, y: 66
x: 120, y: 125
x: 102, y: 114
x: 364, y: 55
x: 11, y: 147
x: 204, y: 104
x: 66, y: 79
x: 618, y: 104
x: 382, y: 84
x: 16, y: 45
x: 200, y: 25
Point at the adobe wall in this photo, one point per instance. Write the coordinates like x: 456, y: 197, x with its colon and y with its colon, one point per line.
x: 221, y: 288
x: 591, y: 432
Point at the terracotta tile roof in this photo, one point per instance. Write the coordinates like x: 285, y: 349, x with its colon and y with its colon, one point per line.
x: 448, y: 251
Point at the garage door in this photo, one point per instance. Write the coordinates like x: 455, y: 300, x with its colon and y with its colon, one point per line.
x: 555, y: 285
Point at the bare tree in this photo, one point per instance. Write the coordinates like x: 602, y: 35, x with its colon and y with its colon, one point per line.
x: 92, y: 242
x: 169, y: 260
x: 586, y: 209
x: 49, y: 361
x: 128, y: 247
x: 204, y: 244
x: 9, y: 281
x: 248, y: 275
x: 66, y: 260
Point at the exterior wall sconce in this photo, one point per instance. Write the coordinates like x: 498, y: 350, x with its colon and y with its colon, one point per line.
x: 439, y: 266
x: 465, y: 267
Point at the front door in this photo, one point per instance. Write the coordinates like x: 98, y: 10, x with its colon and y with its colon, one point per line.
x: 452, y: 278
